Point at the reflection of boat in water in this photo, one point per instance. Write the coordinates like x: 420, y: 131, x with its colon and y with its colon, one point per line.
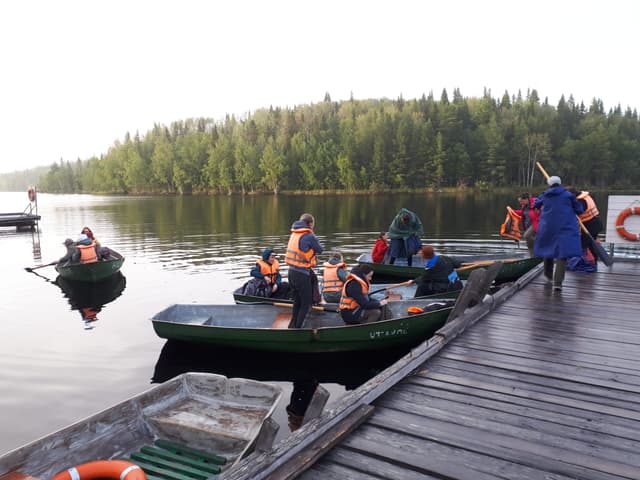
x: 344, y: 368
x: 89, y: 298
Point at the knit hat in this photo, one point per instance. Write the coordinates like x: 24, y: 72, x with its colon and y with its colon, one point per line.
x: 67, y: 242
x: 554, y: 180
x: 266, y: 253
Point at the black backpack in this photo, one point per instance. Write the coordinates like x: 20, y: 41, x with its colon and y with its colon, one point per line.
x: 256, y: 288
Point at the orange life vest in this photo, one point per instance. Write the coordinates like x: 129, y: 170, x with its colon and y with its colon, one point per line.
x: 88, y: 253
x: 511, y: 226
x: 269, y: 269
x: 330, y: 280
x: 296, y: 257
x: 591, y: 211
x: 348, y: 303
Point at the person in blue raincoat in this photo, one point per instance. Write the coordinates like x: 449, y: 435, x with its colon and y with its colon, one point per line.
x: 558, y: 236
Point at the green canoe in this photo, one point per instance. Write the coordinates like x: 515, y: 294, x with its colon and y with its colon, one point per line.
x: 264, y: 327
x: 512, y: 268
x: 377, y: 291
x: 91, y: 272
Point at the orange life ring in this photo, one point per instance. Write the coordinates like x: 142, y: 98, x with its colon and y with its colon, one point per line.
x: 32, y: 194
x: 116, y: 469
x: 632, y: 237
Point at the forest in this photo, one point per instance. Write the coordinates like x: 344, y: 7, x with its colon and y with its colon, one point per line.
x: 370, y: 145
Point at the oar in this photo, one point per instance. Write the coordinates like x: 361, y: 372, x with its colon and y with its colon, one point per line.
x: 390, y: 287
x: 480, y: 263
x: 595, y: 246
x: 31, y: 269
x: 315, y: 307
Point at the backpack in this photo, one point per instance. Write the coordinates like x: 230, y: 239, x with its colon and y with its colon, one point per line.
x: 256, y: 288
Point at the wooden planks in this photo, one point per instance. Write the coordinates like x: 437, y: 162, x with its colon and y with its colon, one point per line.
x: 545, y: 386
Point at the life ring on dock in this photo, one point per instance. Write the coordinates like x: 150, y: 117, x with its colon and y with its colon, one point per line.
x: 632, y: 237
x: 116, y: 469
x: 32, y: 194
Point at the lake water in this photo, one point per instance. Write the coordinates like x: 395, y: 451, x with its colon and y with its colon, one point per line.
x: 55, y: 368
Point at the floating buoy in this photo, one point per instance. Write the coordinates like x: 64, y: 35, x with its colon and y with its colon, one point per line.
x: 627, y: 212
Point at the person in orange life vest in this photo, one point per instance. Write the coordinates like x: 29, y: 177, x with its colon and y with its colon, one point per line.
x: 268, y: 270
x: 380, y: 248
x: 301, y: 254
x: 530, y: 219
x: 355, y: 304
x: 439, y: 274
x: 334, y: 275
x: 590, y: 218
x: 88, y: 249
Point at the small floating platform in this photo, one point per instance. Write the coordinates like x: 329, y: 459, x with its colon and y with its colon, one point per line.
x: 18, y: 220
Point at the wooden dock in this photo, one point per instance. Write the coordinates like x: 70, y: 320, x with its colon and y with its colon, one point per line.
x: 545, y: 386
x: 18, y: 220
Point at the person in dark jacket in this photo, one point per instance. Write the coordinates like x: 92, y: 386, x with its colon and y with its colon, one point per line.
x: 72, y: 255
x: 439, y: 274
x: 355, y: 304
x: 590, y: 218
x: 558, y: 236
x: 404, y: 232
x: 301, y: 254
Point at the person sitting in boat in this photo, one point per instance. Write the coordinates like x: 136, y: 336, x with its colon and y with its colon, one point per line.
x: 355, y: 304
x: 439, y: 274
x: 103, y: 252
x: 334, y: 275
x: 89, y: 251
x: 72, y: 255
x: 404, y: 232
x: 380, y: 248
x: 267, y: 271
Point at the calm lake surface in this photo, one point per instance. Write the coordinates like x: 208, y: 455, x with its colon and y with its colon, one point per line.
x: 56, y: 368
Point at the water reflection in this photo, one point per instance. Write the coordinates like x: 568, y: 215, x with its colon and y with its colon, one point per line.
x: 89, y: 298
x: 345, y: 368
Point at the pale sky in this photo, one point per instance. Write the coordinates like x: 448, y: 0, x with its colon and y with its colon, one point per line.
x: 77, y: 75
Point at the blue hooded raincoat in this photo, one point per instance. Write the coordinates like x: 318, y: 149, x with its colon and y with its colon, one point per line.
x: 558, y: 231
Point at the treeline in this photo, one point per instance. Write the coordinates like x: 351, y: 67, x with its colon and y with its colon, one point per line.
x: 19, y: 181
x: 370, y: 145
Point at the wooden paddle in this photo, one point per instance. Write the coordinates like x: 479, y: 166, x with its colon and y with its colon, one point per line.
x: 314, y: 307
x: 481, y: 263
x: 595, y: 246
x: 31, y: 269
x: 390, y: 287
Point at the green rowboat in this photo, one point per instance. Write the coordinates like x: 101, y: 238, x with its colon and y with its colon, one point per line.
x: 512, y: 268
x: 264, y: 327
x: 91, y: 272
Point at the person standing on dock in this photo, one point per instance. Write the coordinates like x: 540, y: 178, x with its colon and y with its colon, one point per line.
x: 404, y: 232
x: 301, y: 258
x: 530, y: 219
x: 558, y: 236
x: 590, y: 218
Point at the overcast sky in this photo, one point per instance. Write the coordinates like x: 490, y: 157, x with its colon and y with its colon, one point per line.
x: 77, y: 75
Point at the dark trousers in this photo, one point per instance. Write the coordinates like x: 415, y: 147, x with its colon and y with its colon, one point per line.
x: 302, y: 294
